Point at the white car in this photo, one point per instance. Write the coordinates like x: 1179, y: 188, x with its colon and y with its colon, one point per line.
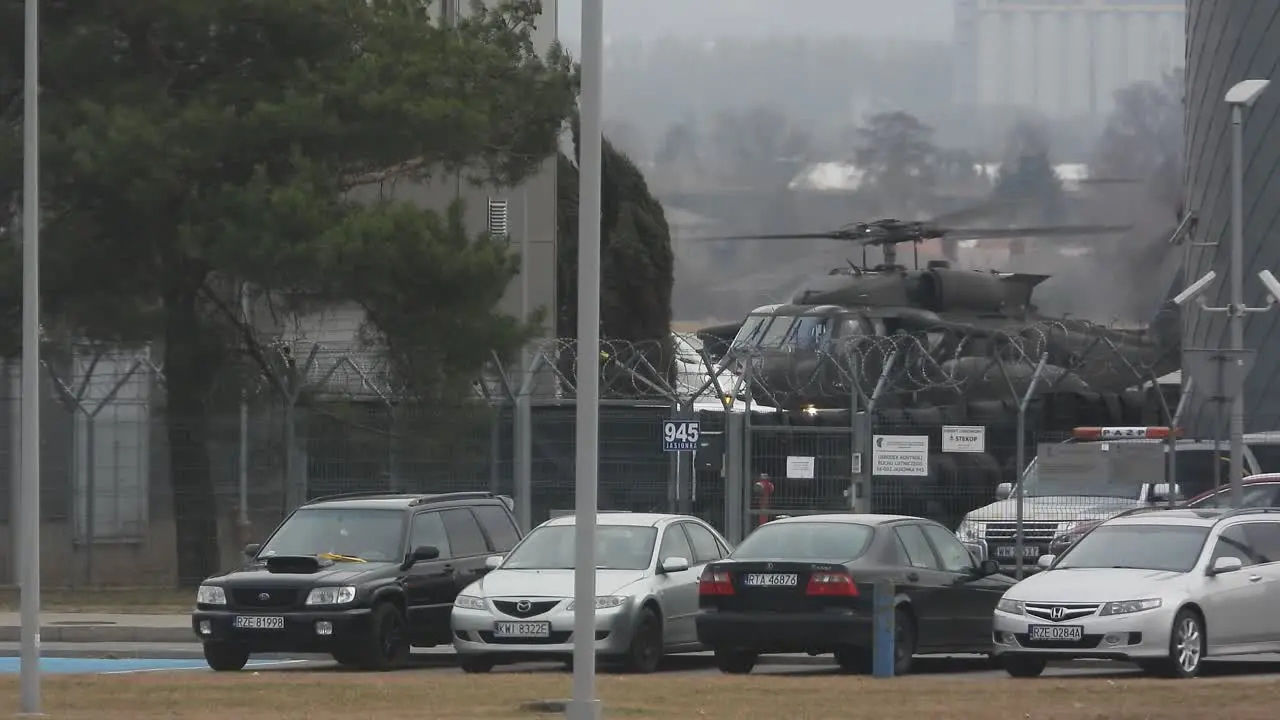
x: 648, y: 566
x: 1162, y: 588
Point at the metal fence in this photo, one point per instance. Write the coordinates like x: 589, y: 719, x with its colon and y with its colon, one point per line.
x: 880, y: 424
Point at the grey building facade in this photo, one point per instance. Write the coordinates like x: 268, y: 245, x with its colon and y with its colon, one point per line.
x: 1229, y: 41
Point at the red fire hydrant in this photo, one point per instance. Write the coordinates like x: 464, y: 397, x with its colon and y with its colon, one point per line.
x: 764, y: 489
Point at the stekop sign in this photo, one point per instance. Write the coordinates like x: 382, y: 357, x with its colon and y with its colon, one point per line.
x: 964, y: 439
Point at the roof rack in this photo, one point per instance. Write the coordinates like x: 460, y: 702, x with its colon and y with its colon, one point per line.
x: 445, y: 497
x: 352, y: 496
x: 1237, y: 512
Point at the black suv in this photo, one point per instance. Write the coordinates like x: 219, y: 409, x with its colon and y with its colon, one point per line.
x: 360, y: 576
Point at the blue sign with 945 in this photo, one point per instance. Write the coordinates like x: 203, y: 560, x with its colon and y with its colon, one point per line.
x: 680, y: 435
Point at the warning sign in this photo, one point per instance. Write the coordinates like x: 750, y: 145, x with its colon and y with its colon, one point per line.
x: 900, y: 455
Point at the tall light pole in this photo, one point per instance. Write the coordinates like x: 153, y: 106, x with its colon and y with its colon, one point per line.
x: 1241, y: 95
x: 29, y: 563
x: 584, y: 705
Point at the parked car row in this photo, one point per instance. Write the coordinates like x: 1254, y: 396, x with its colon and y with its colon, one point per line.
x: 365, y: 577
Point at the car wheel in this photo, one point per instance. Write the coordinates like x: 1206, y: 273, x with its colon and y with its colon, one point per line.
x: 225, y: 657
x: 1024, y: 667
x: 1186, y: 647
x: 474, y: 664
x: 645, y: 652
x: 387, y: 645
x: 904, y: 641
x: 736, y: 662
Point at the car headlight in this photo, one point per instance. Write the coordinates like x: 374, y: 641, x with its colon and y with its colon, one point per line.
x: 971, y: 530
x: 1124, y: 607
x: 211, y: 595
x: 468, y: 602
x: 605, y: 602
x: 331, y: 595
x: 1013, y: 607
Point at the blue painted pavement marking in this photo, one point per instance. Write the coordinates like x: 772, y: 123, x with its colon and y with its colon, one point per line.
x: 125, y: 665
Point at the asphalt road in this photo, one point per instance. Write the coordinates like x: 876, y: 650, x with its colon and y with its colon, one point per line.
x: 128, y: 658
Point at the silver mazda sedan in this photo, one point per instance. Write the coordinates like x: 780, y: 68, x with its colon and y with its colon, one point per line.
x: 647, y: 584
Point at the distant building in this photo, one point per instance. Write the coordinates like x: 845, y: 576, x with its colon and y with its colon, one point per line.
x: 1063, y: 58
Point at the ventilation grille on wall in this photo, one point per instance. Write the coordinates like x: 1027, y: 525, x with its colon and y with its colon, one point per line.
x: 498, y: 228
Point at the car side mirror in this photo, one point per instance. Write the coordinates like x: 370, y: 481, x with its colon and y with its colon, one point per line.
x: 251, y: 550
x: 423, y: 552
x: 493, y: 561
x: 1003, y: 491
x: 1045, y: 561
x: 673, y: 565
x: 988, y: 567
x: 1225, y: 565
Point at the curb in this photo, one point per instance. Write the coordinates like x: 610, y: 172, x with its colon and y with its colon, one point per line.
x: 101, y: 633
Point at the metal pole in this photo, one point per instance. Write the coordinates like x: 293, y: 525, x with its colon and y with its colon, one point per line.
x: 868, y: 433
x: 90, y: 493
x: 1183, y: 401
x: 1236, y: 318
x: 1021, y: 463
x: 15, y: 468
x: 243, y: 514
x: 584, y: 705
x: 30, y: 495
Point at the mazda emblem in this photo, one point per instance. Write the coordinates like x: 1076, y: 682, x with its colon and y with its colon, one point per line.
x: 1058, y: 613
x: 523, y: 606
x: 264, y: 596
x: 768, y: 566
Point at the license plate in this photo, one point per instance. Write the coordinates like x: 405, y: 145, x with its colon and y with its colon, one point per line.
x: 1011, y: 551
x: 522, y: 629
x: 771, y: 579
x: 1072, y: 633
x: 259, y: 622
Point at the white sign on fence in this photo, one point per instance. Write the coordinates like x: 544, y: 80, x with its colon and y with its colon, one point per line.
x: 900, y: 455
x: 800, y: 467
x: 964, y: 439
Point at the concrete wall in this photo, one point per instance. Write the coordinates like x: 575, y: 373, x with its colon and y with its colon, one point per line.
x: 1229, y: 41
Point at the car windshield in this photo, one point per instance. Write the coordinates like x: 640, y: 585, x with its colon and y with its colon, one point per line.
x: 1145, y: 547
x: 1036, y: 485
x: 805, y: 541
x: 618, y: 547
x: 341, y: 533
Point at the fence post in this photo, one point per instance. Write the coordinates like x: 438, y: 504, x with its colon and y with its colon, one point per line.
x: 522, y: 432
x: 868, y: 432
x: 734, y: 475
x: 14, y: 374
x: 1021, y: 462
x: 883, y: 651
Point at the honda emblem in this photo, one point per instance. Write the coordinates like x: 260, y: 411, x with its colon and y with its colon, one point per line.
x: 1057, y: 613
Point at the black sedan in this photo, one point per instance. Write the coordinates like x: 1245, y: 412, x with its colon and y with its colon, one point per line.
x: 805, y: 584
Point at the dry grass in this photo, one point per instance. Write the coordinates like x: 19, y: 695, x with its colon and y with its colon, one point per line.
x: 106, y: 600
x: 319, y: 696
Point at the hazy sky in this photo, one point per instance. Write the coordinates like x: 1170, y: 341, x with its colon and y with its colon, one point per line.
x: 655, y: 18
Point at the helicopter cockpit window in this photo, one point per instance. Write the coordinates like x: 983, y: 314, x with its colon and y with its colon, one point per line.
x: 809, y: 332
x: 777, y: 332
x: 750, y: 332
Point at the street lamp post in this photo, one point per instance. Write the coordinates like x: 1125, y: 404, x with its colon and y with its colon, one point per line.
x: 1241, y: 95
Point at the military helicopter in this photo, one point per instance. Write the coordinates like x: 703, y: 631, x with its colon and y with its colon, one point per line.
x: 956, y: 321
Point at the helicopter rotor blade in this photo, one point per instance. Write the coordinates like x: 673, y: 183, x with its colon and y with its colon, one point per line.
x: 1033, y: 233
x: 836, y: 235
